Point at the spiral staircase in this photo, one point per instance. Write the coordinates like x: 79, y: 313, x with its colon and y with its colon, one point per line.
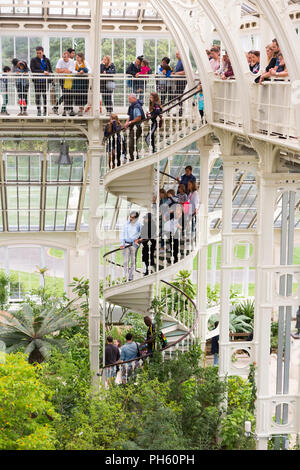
x: 135, y: 181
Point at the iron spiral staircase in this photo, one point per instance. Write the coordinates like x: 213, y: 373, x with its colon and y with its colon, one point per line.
x: 133, y: 179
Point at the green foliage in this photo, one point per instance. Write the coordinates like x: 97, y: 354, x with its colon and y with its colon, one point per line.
x: 136, y: 326
x: 274, y: 336
x: 241, y: 406
x: 4, y: 283
x: 26, y: 413
x: 33, y: 331
x: 213, y: 296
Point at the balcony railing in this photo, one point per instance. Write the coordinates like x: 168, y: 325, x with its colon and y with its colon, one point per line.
x: 226, y: 102
x: 272, y: 109
x: 59, y: 96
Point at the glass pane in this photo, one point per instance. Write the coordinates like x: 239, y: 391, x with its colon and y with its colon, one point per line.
x: 24, y: 197
x: 55, y: 51
x: 60, y: 220
x: 23, y: 221
x: 11, y: 169
x: 106, y: 47
x: 35, y: 197
x: 118, y: 58
x: 162, y: 50
x: 173, y: 49
x: 22, y: 48
x: 23, y: 168
x: 49, y: 220
x: 51, y: 197
x: 62, y: 200
x: 66, y: 43
x: 12, y: 220
x: 11, y: 192
x: 130, y: 51
x: 149, y: 52
x: 7, y: 50
x: 79, y: 45
x: 34, y: 42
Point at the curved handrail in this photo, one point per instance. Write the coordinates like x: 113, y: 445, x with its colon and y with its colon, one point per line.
x: 178, y: 102
x: 171, y: 345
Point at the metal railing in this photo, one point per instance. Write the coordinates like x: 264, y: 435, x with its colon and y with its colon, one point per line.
x: 59, y: 95
x: 274, y: 110
x: 179, y: 118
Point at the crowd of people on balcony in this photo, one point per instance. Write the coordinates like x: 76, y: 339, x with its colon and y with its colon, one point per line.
x: 276, y: 68
x: 177, y: 221
x: 75, y: 82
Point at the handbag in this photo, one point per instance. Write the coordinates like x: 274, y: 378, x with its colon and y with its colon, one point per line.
x: 68, y: 83
x: 186, y: 207
x: 110, y: 85
x: 138, y: 354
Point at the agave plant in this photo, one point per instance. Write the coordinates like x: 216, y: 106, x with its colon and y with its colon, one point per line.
x: 35, y: 333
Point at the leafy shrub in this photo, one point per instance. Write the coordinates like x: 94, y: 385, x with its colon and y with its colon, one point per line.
x: 26, y: 414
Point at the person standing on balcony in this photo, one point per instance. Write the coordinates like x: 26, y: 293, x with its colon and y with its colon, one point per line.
x: 131, y: 233
x: 271, y: 64
x: 66, y: 66
x: 180, y: 84
x: 164, y: 86
x: 107, y: 86
x: 136, y: 116
x: 81, y: 85
x: 72, y: 53
x: 134, y: 69
x: 188, y: 176
x: 255, y: 61
x: 41, y: 67
x: 22, y: 85
x: 215, y: 58
x: 226, y: 70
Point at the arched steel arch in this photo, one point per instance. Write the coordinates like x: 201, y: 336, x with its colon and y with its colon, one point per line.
x: 174, y: 22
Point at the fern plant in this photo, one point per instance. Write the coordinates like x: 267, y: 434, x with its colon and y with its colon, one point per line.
x: 35, y: 333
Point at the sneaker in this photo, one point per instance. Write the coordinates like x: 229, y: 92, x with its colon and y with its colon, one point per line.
x: 4, y: 113
x: 72, y: 113
x: 64, y: 113
x: 20, y: 113
x: 80, y: 114
x: 25, y: 113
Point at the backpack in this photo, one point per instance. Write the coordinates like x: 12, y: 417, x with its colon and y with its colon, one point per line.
x: 163, y: 340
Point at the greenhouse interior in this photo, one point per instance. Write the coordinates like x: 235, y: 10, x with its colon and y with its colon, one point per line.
x: 150, y: 225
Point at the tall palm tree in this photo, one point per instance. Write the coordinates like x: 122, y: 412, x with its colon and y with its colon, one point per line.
x: 35, y: 332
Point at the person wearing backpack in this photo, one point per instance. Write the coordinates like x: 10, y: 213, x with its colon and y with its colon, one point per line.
x: 136, y: 116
